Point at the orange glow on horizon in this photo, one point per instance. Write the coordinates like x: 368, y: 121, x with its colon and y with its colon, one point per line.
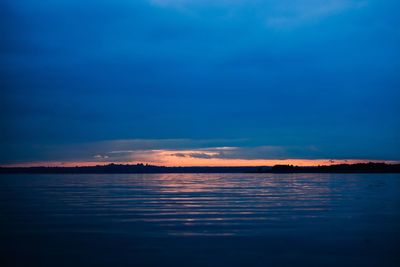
x: 190, y: 162
x: 199, y: 157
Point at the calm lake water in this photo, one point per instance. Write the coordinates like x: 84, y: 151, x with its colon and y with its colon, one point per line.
x: 200, y: 220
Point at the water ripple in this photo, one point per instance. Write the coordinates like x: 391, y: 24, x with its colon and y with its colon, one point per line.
x: 191, y: 204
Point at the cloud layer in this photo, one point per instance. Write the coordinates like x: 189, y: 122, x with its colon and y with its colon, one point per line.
x: 271, y: 13
x: 178, y: 152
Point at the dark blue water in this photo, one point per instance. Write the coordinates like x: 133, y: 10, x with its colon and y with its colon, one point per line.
x: 200, y: 220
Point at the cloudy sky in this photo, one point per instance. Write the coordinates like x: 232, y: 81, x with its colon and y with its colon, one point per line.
x: 199, y: 82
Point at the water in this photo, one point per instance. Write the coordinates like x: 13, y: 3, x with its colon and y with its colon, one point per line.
x: 200, y: 220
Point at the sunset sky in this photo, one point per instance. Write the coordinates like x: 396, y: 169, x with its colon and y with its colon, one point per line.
x: 184, y: 83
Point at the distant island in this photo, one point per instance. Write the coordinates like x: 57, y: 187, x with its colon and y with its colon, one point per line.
x: 145, y: 168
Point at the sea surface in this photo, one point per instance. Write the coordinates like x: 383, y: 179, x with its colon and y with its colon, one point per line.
x: 200, y: 220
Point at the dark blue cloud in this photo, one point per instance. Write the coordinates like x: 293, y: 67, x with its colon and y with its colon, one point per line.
x: 277, y: 73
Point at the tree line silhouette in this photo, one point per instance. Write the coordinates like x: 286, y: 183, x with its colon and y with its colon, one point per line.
x: 145, y: 168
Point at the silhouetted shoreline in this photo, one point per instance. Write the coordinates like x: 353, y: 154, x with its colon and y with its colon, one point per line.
x: 142, y: 168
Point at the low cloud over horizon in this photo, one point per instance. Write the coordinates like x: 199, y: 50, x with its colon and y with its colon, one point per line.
x: 180, y: 152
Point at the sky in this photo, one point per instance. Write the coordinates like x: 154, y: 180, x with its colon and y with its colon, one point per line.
x: 181, y: 83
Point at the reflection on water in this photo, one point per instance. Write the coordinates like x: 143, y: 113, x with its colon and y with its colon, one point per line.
x: 198, y: 204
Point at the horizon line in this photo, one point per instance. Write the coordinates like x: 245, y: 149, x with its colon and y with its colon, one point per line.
x: 388, y: 162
